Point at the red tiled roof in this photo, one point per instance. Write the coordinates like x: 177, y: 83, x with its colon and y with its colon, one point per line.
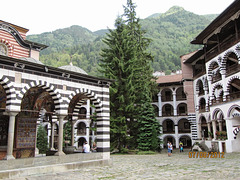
x: 169, y: 79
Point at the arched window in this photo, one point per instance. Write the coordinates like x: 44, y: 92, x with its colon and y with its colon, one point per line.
x: 200, y: 87
x: 202, y: 105
x: 182, y: 109
x: 180, y: 95
x: 3, y: 49
x: 81, y: 128
x: 168, y: 126
x: 166, y: 95
x: 167, y: 110
x: 82, y: 113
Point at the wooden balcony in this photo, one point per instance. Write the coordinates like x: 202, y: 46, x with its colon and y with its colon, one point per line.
x: 232, y: 70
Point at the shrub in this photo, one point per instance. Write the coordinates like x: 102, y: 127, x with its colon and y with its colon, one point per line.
x: 42, y: 140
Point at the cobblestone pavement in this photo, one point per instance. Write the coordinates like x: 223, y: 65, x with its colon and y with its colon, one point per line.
x: 160, y: 166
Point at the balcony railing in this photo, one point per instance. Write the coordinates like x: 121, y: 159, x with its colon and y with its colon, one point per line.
x: 233, y: 96
x: 167, y: 114
x: 180, y: 98
x: 81, y: 132
x: 232, y: 70
x: 216, y: 77
x: 164, y: 99
x: 184, y: 131
x: 168, y: 132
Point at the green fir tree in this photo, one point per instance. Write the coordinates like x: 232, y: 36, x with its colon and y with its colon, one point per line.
x: 42, y: 140
x: 116, y: 63
x: 127, y: 61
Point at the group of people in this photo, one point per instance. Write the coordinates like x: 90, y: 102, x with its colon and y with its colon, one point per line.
x: 86, y: 147
x: 170, y: 148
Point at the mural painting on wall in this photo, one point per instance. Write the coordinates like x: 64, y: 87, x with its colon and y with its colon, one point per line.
x: 34, y: 101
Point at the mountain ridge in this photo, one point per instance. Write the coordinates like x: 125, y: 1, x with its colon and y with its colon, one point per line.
x: 171, y: 33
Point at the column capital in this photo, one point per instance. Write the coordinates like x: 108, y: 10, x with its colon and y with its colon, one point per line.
x: 61, y: 115
x: 11, y: 113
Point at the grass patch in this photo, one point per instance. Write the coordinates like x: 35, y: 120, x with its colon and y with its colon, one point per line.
x: 146, y: 152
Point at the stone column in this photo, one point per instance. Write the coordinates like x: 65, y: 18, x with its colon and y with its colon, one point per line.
x: 60, y: 136
x: 11, y: 126
x: 206, y: 98
x: 72, y: 136
x: 199, y: 131
x: 225, y: 92
x: 52, y: 136
x: 176, y: 134
x: 88, y: 109
x: 214, y: 129
x: 87, y: 130
x: 174, y: 104
x: 209, y: 129
x: 220, y: 125
x: 159, y: 104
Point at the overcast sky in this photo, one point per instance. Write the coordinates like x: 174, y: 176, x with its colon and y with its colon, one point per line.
x: 49, y: 15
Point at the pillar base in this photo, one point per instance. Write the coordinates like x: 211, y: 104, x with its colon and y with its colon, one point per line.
x: 59, y: 153
x: 9, y: 157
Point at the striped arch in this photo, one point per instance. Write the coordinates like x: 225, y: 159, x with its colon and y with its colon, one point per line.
x: 197, y: 84
x: 217, y: 114
x: 9, y: 46
x: 50, y: 89
x: 225, y: 56
x: 210, y: 68
x: 230, y: 80
x: 10, y: 93
x: 89, y: 94
x: 231, y: 109
x: 211, y: 65
x: 215, y: 86
x: 205, y: 83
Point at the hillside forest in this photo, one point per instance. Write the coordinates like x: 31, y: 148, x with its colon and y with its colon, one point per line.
x: 171, y: 33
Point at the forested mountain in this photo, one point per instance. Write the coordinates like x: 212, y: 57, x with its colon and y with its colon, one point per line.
x: 171, y: 33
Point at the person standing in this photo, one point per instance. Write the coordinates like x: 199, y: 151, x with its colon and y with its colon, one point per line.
x: 169, y: 146
x: 181, y: 146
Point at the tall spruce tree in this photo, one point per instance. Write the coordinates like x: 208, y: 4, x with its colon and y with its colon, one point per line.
x: 146, y: 121
x: 117, y: 64
x: 127, y: 61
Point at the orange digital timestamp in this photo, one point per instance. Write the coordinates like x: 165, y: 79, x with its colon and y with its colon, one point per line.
x: 206, y: 155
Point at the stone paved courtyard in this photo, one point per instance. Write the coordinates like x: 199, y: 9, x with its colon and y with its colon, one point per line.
x: 160, y: 166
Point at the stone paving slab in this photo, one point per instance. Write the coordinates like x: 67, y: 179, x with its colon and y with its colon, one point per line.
x: 154, y: 167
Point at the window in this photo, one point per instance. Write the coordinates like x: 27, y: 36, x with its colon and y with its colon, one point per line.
x: 3, y: 49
